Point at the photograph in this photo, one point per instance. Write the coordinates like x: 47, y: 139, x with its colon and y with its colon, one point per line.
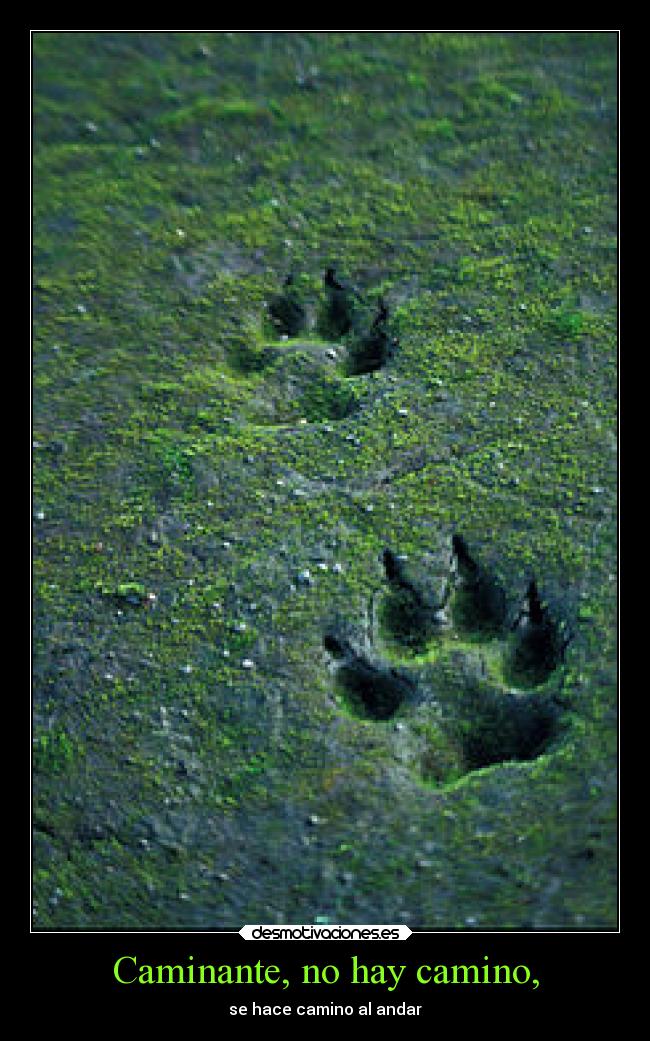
x: 324, y: 495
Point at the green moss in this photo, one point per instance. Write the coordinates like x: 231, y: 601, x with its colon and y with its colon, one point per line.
x: 207, y: 111
x: 470, y: 180
x: 55, y: 752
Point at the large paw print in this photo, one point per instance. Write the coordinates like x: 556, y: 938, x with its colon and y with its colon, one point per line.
x: 474, y: 688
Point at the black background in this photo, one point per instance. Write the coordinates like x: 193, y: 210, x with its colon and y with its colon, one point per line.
x: 578, y: 972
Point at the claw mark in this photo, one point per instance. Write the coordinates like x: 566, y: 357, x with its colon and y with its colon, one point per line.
x: 408, y: 617
x: 479, y: 605
x: 286, y: 310
x: 371, y: 352
x: 467, y: 567
x: 337, y: 316
x: 539, y: 642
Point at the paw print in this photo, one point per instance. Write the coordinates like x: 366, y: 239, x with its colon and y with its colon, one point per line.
x: 469, y: 687
x: 303, y: 373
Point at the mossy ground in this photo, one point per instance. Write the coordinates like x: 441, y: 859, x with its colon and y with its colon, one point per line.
x: 188, y: 469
